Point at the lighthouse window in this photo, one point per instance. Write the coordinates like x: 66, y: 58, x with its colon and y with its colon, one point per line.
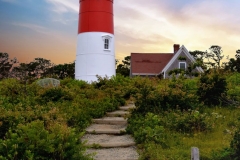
x: 106, y: 44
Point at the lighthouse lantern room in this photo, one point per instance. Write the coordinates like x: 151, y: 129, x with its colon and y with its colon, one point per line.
x: 95, y: 42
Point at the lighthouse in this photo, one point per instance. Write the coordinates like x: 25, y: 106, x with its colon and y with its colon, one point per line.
x: 95, y: 41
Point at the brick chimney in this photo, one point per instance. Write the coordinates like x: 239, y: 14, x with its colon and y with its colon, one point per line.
x: 176, y: 48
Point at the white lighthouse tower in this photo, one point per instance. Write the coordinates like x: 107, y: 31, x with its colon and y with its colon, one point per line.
x: 95, y: 46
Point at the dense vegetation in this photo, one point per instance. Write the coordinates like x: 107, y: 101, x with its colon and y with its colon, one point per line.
x: 171, y: 116
x: 47, y: 122
x: 174, y: 115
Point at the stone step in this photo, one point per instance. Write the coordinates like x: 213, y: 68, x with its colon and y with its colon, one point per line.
x: 108, y: 141
x: 131, y: 102
x: 127, y: 108
x: 127, y: 153
x: 119, y: 113
x: 111, y: 120
x: 106, y: 129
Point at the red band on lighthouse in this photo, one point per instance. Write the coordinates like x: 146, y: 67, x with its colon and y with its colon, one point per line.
x: 96, y: 16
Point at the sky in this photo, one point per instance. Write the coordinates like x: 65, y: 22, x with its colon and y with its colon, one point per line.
x: 48, y: 28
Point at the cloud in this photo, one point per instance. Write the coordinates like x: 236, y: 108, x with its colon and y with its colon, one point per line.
x: 155, y: 25
x: 33, y: 27
x: 64, y: 6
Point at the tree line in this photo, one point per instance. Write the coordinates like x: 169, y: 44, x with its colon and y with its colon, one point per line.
x: 40, y: 67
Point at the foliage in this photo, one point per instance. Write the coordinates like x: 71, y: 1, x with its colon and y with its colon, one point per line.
x: 171, y: 134
x: 212, y: 89
x: 168, y: 120
x: 117, y: 87
x: 62, y: 71
x: 208, y: 59
x: 235, y: 144
x: 60, y: 112
x: 181, y: 58
x: 215, y: 55
x: 199, y: 57
x: 165, y: 95
x: 191, y: 121
x: 234, y: 64
x: 34, y: 141
x: 124, y: 68
x: 176, y: 71
x: 55, y: 95
x: 6, y: 65
x: 32, y: 70
x: 12, y: 89
x: 148, y: 129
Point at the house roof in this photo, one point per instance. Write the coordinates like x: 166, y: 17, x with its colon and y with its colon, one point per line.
x: 149, y: 63
x: 182, y: 49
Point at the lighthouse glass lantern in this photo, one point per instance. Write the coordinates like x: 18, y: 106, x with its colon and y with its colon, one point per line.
x: 95, y: 42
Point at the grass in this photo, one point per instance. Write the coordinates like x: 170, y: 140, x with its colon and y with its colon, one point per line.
x: 224, y: 123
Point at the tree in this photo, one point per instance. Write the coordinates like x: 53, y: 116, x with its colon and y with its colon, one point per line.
x: 6, y: 65
x: 208, y: 59
x: 63, y: 70
x: 234, y: 64
x: 214, y: 55
x: 31, y: 71
x: 199, y: 57
x: 124, y: 68
x: 237, y: 54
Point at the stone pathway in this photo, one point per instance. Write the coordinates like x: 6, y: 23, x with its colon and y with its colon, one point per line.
x: 107, y: 137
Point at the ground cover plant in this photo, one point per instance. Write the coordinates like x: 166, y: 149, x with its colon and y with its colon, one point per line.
x: 48, y: 122
x: 171, y: 117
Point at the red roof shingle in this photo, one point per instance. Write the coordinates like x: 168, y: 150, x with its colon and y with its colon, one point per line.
x: 149, y: 63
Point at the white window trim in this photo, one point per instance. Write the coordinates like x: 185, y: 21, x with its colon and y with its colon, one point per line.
x: 182, y: 63
x: 109, y: 42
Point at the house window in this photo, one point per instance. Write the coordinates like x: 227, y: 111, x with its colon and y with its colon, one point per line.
x: 106, y: 42
x: 182, y: 65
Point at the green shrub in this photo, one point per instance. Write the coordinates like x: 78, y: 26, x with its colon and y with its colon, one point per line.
x: 55, y: 94
x: 234, y: 93
x: 233, y: 82
x: 235, y: 144
x: 73, y: 83
x: 148, y: 129
x: 212, y: 89
x: 191, y: 121
x: 155, y: 96
x: 34, y: 141
x: 13, y: 90
x: 224, y: 154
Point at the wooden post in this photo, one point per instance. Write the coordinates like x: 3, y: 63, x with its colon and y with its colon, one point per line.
x: 195, y: 153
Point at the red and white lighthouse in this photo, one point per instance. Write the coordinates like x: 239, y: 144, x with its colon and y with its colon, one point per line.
x: 95, y: 46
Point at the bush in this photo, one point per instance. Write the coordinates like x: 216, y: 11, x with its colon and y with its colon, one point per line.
x: 233, y: 82
x: 148, y: 129
x: 34, y: 141
x: 12, y: 89
x: 235, y: 144
x: 156, y: 96
x: 191, y: 121
x: 55, y: 94
x: 212, y: 89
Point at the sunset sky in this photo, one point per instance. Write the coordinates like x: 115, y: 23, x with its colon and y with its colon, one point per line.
x: 48, y: 28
